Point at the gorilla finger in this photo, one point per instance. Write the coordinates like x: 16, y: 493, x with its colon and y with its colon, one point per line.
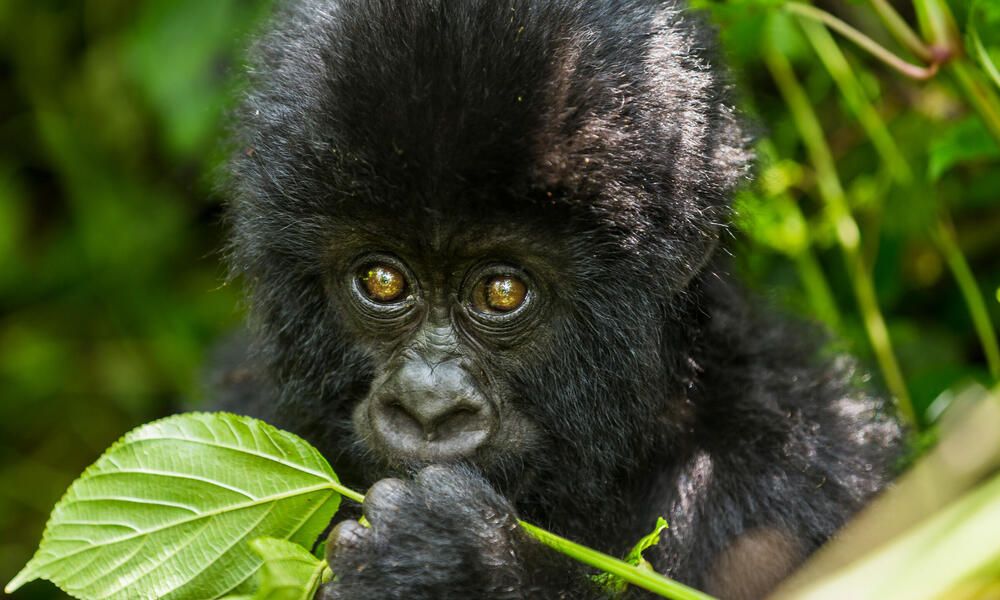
x: 453, y: 484
x: 347, y: 538
x: 326, y: 592
x: 385, y: 499
x: 437, y: 476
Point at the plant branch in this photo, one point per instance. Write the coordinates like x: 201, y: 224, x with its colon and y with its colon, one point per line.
x: 857, y: 101
x: 899, y: 28
x: 868, y: 44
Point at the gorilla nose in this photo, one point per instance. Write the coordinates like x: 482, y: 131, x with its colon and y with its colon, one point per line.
x: 434, y: 416
x: 435, y: 430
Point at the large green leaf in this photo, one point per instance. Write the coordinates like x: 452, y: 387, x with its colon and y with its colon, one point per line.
x: 167, y: 511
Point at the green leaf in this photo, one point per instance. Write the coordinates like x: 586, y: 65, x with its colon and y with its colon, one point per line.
x: 166, y: 512
x: 772, y: 221
x: 651, y: 539
x: 968, y: 140
x: 289, y: 572
x: 615, y: 584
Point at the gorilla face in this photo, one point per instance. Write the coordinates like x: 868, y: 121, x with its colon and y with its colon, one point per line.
x: 445, y: 317
x: 485, y: 335
x: 469, y: 228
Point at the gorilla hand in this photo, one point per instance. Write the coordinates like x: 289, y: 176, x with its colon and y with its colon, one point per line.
x: 446, y: 534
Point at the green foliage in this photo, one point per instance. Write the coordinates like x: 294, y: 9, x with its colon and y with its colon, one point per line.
x: 634, y: 556
x: 167, y: 512
x: 911, y: 158
x: 615, y: 584
x: 289, y: 571
x: 967, y: 141
x: 111, y: 288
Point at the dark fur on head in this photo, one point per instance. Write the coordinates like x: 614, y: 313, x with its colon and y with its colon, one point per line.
x: 607, y: 128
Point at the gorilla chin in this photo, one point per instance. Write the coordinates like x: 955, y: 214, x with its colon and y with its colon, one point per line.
x: 482, y: 247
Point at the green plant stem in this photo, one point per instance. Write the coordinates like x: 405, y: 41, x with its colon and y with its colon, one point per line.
x: 347, y: 492
x: 645, y: 578
x: 857, y: 101
x: 944, y: 236
x: 846, y: 228
x: 817, y: 288
x: 938, y: 25
x: 899, y: 28
x: 868, y: 44
x: 984, y: 57
x: 983, y: 98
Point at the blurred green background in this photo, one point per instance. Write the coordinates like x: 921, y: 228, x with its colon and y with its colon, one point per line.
x: 878, y: 202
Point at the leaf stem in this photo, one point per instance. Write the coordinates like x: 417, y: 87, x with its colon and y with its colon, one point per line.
x: 644, y: 578
x: 347, y: 492
x: 868, y: 44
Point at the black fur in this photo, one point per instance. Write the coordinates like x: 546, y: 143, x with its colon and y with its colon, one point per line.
x: 601, y: 135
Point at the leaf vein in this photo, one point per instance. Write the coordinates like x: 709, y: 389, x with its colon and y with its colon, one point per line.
x: 133, y: 500
x: 147, y: 471
x: 241, y: 450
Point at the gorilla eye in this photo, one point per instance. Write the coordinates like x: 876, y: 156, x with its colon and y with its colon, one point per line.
x: 382, y: 283
x: 499, y: 294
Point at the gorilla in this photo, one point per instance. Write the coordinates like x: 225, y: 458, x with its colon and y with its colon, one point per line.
x: 484, y: 248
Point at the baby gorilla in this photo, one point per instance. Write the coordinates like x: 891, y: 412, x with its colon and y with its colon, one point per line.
x: 482, y: 243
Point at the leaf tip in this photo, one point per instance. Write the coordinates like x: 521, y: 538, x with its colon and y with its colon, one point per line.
x: 20, y: 579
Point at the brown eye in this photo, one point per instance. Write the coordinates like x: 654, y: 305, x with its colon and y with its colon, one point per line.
x: 501, y: 293
x: 382, y: 283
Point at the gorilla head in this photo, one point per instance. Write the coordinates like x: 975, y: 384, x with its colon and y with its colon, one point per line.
x: 486, y: 232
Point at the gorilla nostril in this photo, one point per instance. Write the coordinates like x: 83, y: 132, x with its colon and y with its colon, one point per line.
x: 400, y: 420
x: 460, y: 421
